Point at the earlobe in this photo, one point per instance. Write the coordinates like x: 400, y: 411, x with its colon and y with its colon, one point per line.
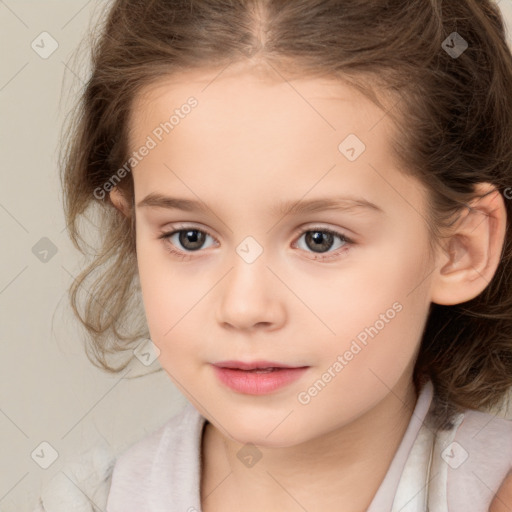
x: 473, y: 250
x: 119, y: 201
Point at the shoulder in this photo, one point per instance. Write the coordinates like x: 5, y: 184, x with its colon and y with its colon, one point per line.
x: 477, y: 455
x: 503, y: 498
x: 81, y: 482
x: 140, y: 470
x: 137, y: 459
x: 486, y: 435
x: 99, y: 471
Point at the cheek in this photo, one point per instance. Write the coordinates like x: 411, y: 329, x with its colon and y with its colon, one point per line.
x: 175, y: 300
x: 377, y: 282
x: 374, y: 348
x: 167, y: 292
x: 378, y: 313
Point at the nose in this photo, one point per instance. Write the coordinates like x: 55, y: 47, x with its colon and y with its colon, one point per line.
x: 251, y: 297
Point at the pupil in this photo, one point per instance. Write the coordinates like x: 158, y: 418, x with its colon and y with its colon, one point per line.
x: 321, y: 240
x: 193, y: 237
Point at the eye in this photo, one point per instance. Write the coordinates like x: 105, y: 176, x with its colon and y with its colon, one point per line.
x: 191, y: 239
x: 317, y: 240
x: 320, y: 240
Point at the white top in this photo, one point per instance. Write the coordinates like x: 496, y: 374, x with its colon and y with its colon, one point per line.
x: 457, y: 470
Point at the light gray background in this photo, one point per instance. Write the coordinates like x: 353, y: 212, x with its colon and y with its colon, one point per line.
x: 48, y: 389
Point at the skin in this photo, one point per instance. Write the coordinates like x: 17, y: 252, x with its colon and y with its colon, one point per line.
x: 502, y: 502
x: 251, y: 142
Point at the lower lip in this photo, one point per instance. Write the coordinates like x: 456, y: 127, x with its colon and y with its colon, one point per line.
x: 253, y: 383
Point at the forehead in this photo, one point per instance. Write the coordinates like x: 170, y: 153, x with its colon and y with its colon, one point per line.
x: 238, y: 95
x: 249, y: 135
x: 242, y: 104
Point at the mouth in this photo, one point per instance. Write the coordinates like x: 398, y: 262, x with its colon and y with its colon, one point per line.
x: 256, y: 377
x: 256, y: 366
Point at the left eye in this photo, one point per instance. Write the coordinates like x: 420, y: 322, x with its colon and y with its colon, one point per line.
x: 319, y: 239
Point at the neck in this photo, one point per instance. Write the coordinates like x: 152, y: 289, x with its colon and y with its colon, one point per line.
x: 345, y: 466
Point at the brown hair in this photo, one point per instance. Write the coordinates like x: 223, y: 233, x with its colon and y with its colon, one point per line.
x: 453, y: 116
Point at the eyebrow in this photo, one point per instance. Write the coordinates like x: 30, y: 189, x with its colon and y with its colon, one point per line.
x: 297, y: 207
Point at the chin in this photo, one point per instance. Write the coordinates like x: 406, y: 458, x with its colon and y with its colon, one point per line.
x: 265, y: 436
x: 260, y: 440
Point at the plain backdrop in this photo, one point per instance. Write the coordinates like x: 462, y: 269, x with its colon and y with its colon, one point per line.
x: 49, y: 391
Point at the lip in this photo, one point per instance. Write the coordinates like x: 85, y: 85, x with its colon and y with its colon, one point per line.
x: 237, y: 376
x: 260, y: 363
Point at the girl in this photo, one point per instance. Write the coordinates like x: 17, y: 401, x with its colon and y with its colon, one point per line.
x: 315, y: 198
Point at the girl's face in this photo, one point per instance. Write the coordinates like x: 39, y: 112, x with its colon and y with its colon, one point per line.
x: 246, y: 279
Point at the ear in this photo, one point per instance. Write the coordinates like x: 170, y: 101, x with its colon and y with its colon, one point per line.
x: 119, y: 201
x: 471, y: 253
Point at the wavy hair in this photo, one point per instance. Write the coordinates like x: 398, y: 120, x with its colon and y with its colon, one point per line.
x: 453, y: 116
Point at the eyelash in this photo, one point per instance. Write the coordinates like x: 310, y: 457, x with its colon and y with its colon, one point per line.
x: 164, y: 236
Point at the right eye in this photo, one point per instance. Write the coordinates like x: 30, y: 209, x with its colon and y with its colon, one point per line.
x: 191, y: 239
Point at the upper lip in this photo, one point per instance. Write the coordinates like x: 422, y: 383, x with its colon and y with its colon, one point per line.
x: 253, y: 365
